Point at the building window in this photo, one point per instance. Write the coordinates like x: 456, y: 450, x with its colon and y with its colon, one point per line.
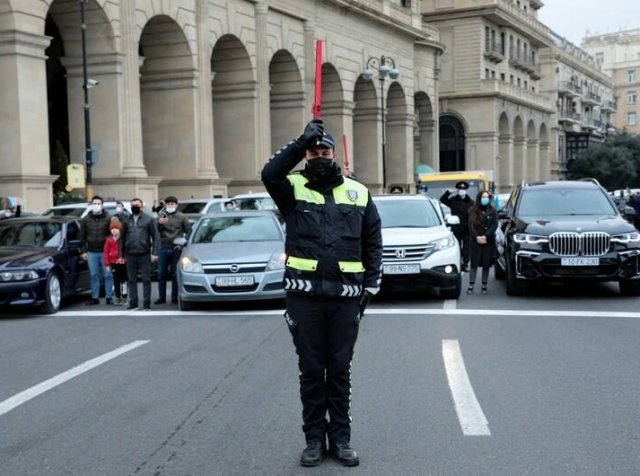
x: 493, y: 74
x: 600, y: 57
x: 631, y: 97
x: 631, y: 75
x: 631, y: 118
x: 502, y: 77
x: 511, y: 78
x: 519, y: 82
x: 486, y: 73
x: 533, y: 89
x: 526, y: 84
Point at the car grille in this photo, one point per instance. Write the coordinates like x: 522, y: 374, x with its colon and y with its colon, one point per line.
x: 406, y: 253
x: 573, y: 244
x: 239, y: 268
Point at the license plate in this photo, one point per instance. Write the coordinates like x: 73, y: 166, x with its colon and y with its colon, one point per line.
x: 401, y: 269
x: 228, y: 281
x: 580, y: 261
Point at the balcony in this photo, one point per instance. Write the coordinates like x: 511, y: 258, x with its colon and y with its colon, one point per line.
x: 609, y: 106
x: 569, y: 89
x: 516, y: 94
x: 536, y: 4
x: 591, y: 98
x: 525, y: 64
x: 493, y: 52
x: 569, y: 117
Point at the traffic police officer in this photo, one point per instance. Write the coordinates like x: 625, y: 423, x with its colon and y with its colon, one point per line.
x: 333, y: 267
x: 460, y: 205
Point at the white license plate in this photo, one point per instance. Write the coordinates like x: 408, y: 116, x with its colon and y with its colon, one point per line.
x: 228, y: 281
x: 580, y: 261
x: 401, y: 269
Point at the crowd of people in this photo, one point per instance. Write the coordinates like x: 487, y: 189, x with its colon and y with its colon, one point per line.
x: 121, y: 247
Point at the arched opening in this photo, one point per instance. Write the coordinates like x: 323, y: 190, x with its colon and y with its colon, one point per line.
x: 532, y: 153
x: 334, y: 113
x: 452, y: 144
x: 286, y: 98
x: 519, y: 150
x: 366, y: 160
x: 503, y: 167
x: 399, y: 132
x: 545, y: 146
x: 234, y: 109
x: 424, y: 131
x: 167, y: 96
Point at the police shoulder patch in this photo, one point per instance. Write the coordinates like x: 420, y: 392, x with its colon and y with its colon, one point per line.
x: 353, y: 195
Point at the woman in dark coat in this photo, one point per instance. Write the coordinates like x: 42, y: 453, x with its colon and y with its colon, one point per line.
x: 483, y: 223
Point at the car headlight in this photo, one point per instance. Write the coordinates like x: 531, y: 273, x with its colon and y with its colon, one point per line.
x: 190, y: 265
x: 276, y: 262
x: 19, y: 275
x: 530, y: 239
x: 444, y: 243
x: 633, y: 237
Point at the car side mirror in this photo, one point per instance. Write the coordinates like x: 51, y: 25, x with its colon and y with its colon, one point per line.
x: 502, y: 214
x: 453, y: 220
x: 629, y: 211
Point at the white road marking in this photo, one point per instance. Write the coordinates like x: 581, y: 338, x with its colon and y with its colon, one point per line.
x: 23, y: 397
x: 470, y: 414
x: 449, y: 304
x: 370, y: 311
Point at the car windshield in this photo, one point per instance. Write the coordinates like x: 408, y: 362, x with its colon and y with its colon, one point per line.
x: 257, y: 203
x: 407, y: 214
x: 564, y: 202
x: 191, y: 207
x: 66, y: 211
x: 236, y: 228
x: 436, y: 188
x: 18, y: 233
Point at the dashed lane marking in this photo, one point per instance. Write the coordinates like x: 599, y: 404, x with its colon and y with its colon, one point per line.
x: 370, y: 311
x: 468, y: 409
x: 23, y: 397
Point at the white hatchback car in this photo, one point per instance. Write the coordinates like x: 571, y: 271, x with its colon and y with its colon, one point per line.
x: 419, y: 248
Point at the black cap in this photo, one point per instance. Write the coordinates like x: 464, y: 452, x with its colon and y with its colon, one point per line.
x: 171, y: 199
x: 462, y: 185
x: 326, y: 141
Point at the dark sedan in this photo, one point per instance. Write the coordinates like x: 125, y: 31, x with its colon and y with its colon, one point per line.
x: 40, y: 262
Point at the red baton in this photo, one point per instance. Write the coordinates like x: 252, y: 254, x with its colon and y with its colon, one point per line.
x: 316, y: 108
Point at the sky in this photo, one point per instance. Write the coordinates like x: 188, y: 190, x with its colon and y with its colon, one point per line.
x: 572, y: 18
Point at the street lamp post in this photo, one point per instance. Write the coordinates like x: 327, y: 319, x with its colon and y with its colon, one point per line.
x: 386, y: 66
x: 87, y: 122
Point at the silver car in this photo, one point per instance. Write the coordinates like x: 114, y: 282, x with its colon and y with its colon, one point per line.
x: 232, y: 256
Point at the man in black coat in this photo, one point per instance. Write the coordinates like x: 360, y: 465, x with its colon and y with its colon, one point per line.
x: 460, y: 203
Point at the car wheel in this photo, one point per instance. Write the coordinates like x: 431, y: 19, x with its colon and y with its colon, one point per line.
x: 630, y: 288
x: 513, y: 287
x: 52, y: 295
x: 185, y: 305
x: 452, y: 293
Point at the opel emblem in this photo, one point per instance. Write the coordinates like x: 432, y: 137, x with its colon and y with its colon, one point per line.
x: 401, y: 253
x: 234, y: 268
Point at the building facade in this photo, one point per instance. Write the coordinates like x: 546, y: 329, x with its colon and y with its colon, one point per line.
x: 492, y: 114
x: 584, y: 99
x: 619, y: 54
x: 194, y: 95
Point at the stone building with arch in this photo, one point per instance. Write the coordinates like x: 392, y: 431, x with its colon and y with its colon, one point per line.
x: 194, y: 95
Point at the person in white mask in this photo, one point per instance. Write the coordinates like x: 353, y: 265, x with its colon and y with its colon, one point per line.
x: 94, y: 229
x: 460, y: 203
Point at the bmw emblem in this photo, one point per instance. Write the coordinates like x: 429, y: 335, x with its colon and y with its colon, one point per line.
x: 234, y: 268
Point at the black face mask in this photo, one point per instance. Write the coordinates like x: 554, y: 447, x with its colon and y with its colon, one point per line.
x: 135, y: 209
x: 321, y: 168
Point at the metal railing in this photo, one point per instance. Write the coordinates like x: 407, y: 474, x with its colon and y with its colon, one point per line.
x: 569, y: 86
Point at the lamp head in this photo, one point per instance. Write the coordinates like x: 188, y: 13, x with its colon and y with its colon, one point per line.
x: 367, y: 74
x: 394, y: 73
x: 384, y: 70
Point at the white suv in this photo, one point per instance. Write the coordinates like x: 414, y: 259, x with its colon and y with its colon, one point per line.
x: 419, y: 247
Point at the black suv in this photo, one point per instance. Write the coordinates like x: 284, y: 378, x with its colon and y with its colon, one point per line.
x: 566, y: 230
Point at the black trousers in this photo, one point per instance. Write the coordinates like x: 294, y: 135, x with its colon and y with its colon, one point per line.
x: 463, y: 239
x: 140, y: 263
x: 324, y: 333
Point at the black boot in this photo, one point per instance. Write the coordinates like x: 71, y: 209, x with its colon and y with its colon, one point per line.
x: 312, y: 454
x: 344, y: 454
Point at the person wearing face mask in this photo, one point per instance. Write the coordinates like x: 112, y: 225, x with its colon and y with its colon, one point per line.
x: 172, y: 224
x: 460, y: 204
x: 483, y: 224
x: 332, y: 269
x: 94, y: 229
x: 139, y: 246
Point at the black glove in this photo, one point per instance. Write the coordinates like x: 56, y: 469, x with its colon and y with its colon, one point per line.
x: 363, y: 302
x: 312, y: 133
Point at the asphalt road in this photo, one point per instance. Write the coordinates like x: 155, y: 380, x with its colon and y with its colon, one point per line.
x: 542, y: 384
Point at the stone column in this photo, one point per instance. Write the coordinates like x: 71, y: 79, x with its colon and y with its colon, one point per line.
x: 129, y: 95
x: 263, y: 138
x: 519, y: 158
x: 24, y: 128
x: 426, y: 130
x: 399, y: 160
x: 545, y: 164
x: 338, y: 119
x: 533, y: 160
x: 309, y: 62
x: 504, y: 170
